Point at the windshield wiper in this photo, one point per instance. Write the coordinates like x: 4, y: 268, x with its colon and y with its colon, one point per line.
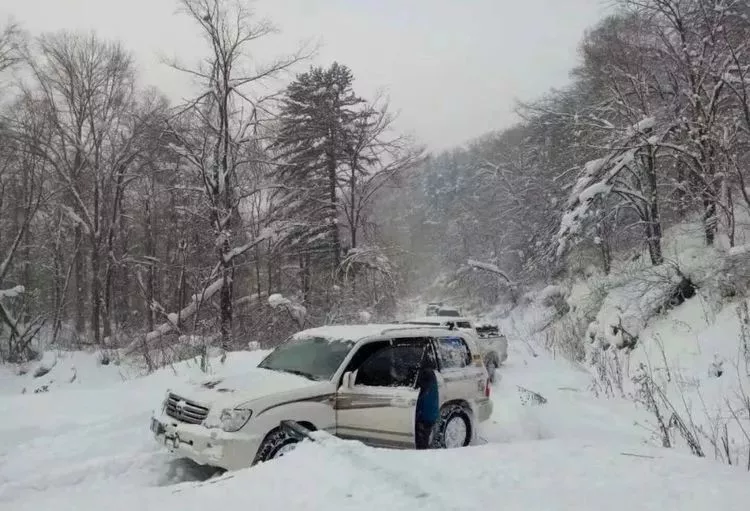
x: 300, y: 373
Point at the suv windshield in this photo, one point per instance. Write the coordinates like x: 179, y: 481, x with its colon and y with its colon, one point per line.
x: 316, y: 358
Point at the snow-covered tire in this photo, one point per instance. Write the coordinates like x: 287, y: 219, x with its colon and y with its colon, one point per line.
x: 276, y: 444
x: 453, y: 428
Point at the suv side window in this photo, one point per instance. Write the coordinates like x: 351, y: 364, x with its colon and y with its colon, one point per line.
x: 453, y: 352
x: 395, y: 365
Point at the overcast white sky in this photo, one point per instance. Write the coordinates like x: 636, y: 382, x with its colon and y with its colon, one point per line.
x: 452, y: 68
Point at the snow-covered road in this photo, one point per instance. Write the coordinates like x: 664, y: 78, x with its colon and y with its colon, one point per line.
x: 85, y: 445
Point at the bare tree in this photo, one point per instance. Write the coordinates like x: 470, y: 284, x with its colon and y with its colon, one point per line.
x: 375, y: 159
x: 86, y: 88
x: 24, y: 174
x: 629, y: 172
x: 222, y: 121
x: 695, y: 62
x: 10, y: 45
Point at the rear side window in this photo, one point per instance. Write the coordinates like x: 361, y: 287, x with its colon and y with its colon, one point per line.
x: 449, y: 313
x: 394, y: 365
x: 453, y: 352
x: 463, y: 324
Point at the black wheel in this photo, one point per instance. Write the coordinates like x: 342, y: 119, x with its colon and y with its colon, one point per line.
x: 453, y: 428
x: 276, y: 444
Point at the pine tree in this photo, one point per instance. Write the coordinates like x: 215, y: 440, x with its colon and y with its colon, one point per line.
x: 317, y: 122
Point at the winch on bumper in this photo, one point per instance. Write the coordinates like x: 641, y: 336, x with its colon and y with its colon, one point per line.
x: 205, y: 446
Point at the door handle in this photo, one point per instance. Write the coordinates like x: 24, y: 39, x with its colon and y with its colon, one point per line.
x: 402, y: 402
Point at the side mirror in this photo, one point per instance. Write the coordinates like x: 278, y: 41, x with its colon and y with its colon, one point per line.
x: 348, y: 380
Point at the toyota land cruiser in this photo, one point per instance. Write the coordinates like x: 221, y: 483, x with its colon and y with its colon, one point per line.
x: 356, y: 382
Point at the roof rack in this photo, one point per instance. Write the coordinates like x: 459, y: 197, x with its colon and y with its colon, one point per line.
x: 416, y: 327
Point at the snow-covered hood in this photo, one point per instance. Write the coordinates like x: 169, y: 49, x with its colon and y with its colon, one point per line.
x: 236, y: 389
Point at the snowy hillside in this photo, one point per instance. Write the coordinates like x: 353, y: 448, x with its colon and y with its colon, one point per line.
x: 85, y: 445
x: 680, y: 353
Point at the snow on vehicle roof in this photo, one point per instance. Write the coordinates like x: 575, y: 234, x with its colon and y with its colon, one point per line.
x: 437, y: 320
x: 349, y: 332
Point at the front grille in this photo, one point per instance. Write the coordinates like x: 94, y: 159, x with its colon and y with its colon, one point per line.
x: 185, y: 411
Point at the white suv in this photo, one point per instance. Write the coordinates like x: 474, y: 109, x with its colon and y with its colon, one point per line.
x: 355, y: 382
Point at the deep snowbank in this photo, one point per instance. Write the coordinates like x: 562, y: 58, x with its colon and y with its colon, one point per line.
x: 86, y: 446
x: 529, y: 476
x: 690, y: 365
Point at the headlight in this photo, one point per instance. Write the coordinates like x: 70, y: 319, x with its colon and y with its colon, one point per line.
x: 233, y: 419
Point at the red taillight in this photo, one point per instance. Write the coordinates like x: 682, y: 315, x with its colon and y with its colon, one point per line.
x: 487, y: 388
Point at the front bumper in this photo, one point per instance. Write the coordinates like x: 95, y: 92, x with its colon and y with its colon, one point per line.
x: 205, y: 446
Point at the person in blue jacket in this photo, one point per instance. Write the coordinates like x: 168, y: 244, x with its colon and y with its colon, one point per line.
x: 428, y: 403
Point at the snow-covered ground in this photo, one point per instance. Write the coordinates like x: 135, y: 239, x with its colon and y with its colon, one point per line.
x: 85, y: 445
x: 693, y: 358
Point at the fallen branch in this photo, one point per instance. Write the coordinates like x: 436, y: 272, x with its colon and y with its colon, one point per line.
x: 492, y: 268
x: 238, y: 251
x: 248, y: 300
x: 638, y: 455
x: 172, y: 319
x: 530, y: 396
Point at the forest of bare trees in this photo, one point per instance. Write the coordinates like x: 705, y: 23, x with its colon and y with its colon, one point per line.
x: 128, y: 221
x: 651, y: 131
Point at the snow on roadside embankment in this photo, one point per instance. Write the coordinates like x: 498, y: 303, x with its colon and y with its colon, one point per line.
x: 674, y: 340
x: 87, y: 447
x: 62, y: 370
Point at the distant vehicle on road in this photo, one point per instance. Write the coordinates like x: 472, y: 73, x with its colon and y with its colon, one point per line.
x: 492, y: 344
x: 433, y: 308
x: 440, y: 309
